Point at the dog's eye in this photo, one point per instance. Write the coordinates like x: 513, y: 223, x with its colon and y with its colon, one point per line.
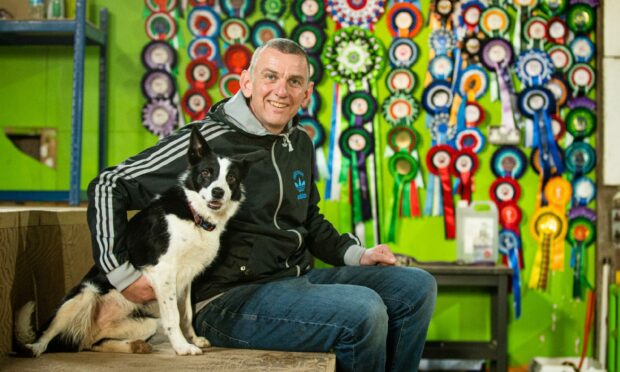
x: 231, y: 179
x: 205, y: 173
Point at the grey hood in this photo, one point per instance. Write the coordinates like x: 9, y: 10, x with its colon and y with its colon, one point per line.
x: 240, y: 114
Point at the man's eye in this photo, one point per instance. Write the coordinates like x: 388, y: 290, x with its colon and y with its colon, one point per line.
x: 231, y: 179
x: 205, y: 173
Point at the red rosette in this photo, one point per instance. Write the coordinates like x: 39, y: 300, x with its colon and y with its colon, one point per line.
x: 196, y: 103
x: 474, y: 114
x: 210, y: 3
x: 439, y: 157
x: 558, y: 126
x: 201, y: 73
x: 230, y: 84
x: 505, y: 189
x: 464, y: 161
x: 237, y: 58
x: 510, y: 215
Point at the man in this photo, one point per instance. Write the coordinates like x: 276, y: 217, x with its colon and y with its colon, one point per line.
x: 262, y: 292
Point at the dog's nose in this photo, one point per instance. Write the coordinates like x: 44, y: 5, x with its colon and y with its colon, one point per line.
x: 218, y: 193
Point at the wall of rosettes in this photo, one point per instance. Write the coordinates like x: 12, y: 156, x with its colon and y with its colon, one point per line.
x: 418, y: 105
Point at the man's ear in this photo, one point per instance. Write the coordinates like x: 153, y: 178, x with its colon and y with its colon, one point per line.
x: 245, y: 84
x: 307, y: 95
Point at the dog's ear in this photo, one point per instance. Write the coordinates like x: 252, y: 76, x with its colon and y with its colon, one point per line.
x: 198, y: 147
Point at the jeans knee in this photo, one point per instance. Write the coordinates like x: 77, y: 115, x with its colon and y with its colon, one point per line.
x: 427, y: 289
x: 370, y: 317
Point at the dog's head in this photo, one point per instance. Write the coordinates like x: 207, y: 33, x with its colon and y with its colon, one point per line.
x: 217, y: 180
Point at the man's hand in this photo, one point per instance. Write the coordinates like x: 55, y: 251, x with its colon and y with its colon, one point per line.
x: 378, y: 255
x: 139, y: 291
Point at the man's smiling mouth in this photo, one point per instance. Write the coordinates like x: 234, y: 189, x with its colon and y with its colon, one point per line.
x: 277, y: 104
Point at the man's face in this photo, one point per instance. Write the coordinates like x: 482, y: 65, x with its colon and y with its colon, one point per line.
x: 277, y: 88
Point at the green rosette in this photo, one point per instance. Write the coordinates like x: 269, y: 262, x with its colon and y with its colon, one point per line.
x: 400, y: 109
x: 404, y: 169
x: 580, y: 122
x: 553, y: 7
x: 581, y: 233
x: 354, y: 56
x: 580, y: 18
x: 274, y: 9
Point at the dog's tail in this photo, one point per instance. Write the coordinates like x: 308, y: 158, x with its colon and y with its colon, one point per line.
x: 24, y: 333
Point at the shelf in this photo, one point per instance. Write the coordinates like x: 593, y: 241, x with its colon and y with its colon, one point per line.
x: 47, y: 32
x: 36, y: 196
x: 76, y: 33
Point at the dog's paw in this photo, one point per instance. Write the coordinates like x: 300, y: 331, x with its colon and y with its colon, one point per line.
x: 200, y: 342
x: 187, y: 349
x: 36, y: 348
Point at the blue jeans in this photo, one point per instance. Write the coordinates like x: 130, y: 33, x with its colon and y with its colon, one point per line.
x: 374, y: 318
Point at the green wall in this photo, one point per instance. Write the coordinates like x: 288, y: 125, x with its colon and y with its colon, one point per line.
x: 36, y: 92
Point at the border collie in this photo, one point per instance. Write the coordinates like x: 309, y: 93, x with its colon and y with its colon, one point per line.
x: 171, y: 241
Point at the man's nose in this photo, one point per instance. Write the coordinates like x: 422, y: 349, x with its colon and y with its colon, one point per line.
x: 281, y: 88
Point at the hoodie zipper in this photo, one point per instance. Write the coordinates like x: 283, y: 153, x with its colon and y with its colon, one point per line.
x: 286, y: 142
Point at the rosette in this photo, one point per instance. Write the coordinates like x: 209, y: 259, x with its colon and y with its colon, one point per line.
x: 361, y: 13
x: 160, y: 26
x: 265, y: 30
x: 404, y: 20
x: 400, y: 109
x: 309, y: 11
x: 310, y: 37
x: 534, y: 67
x: 201, y: 73
x: 160, y: 117
x: 352, y: 55
x: 237, y: 8
x: 203, y: 21
x: 158, y: 84
x: 159, y: 55
x: 359, y: 107
x: 196, y: 103
x: 229, y: 84
x: 403, y: 52
x: 204, y: 47
x: 235, y: 31
x: 401, y: 80
x: 273, y: 9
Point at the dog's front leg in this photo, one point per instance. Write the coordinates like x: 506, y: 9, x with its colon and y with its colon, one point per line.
x: 185, y: 306
x: 166, y: 291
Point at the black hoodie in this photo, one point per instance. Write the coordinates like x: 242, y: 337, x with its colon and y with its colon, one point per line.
x: 275, y: 233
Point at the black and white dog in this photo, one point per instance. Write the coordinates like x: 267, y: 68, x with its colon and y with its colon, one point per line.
x: 170, y: 241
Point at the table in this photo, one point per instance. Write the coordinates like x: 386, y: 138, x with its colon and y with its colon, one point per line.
x: 489, y: 279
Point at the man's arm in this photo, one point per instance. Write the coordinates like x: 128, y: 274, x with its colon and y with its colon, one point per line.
x: 325, y: 242
x: 131, y: 186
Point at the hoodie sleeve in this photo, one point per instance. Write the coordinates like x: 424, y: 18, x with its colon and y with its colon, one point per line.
x: 325, y: 242
x: 131, y: 186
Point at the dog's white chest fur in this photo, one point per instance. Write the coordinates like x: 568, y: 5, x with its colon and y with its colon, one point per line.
x: 191, y: 250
